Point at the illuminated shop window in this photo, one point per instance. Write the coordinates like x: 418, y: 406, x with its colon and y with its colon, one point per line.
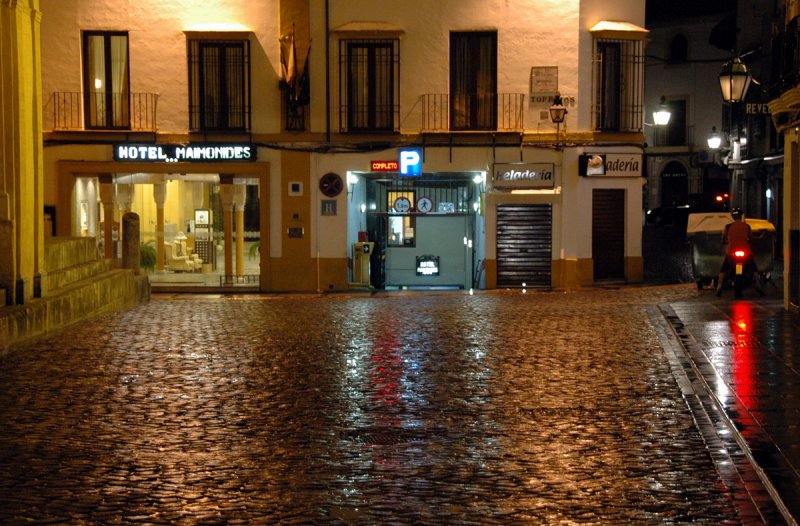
x: 401, y: 224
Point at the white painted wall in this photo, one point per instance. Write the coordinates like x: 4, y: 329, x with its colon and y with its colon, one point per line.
x: 541, y: 33
x: 530, y: 33
x: 696, y: 80
x: 158, y: 55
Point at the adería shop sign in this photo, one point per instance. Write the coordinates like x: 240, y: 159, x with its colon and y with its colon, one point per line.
x: 610, y: 164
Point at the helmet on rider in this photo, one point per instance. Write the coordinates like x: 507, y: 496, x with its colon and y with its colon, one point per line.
x: 737, y: 213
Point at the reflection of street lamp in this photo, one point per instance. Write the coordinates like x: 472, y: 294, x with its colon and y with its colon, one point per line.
x: 662, y: 114
x: 558, y: 113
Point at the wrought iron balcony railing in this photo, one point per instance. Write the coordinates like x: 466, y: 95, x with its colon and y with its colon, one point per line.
x: 75, y: 111
x: 455, y: 112
x: 785, y: 58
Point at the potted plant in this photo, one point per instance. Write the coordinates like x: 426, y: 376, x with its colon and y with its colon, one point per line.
x: 147, y: 255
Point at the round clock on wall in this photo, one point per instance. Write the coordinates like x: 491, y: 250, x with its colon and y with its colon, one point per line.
x: 331, y: 184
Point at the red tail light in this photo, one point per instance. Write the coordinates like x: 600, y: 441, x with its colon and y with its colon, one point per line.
x: 739, y: 254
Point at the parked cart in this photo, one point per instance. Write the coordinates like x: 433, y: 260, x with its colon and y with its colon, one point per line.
x: 704, y: 232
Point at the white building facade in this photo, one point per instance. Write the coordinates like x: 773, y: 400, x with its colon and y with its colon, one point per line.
x: 414, y: 148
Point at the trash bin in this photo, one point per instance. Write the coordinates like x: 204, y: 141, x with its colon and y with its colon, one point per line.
x: 704, y: 233
x: 762, y: 244
x: 361, y: 254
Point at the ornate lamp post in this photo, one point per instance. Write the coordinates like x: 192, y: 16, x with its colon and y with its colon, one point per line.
x: 734, y: 79
x: 662, y: 114
x: 558, y: 112
x: 715, y: 139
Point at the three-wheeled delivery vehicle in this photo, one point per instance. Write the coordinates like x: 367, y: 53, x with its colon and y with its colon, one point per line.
x: 704, y: 232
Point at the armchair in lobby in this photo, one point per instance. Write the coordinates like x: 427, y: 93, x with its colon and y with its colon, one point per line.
x: 176, y: 262
x: 182, y: 250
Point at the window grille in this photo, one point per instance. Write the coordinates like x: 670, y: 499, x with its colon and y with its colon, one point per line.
x: 618, y: 81
x: 219, y: 85
x: 369, y: 85
x: 457, y: 190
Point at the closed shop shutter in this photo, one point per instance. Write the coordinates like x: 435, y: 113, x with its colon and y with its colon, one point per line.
x: 524, y: 245
x: 608, y: 233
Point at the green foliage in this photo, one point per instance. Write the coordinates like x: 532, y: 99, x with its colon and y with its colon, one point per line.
x: 147, y: 255
x: 254, y: 250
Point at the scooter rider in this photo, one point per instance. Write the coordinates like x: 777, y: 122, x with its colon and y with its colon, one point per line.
x: 736, y: 236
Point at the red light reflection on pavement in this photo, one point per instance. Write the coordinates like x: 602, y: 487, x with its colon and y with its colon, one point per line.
x: 744, y: 374
x: 385, y: 393
x: 387, y: 370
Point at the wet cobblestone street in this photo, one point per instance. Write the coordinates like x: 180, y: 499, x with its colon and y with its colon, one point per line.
x: 397, y: 408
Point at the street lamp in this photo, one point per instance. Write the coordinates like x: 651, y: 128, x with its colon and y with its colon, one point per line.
x: 734, y: 80
x: 558, y: 113
x: 715, y: 139
x: 662, y: 114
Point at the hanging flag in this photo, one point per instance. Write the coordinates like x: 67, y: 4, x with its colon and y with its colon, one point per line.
x: 295, y: 81
x: 288, y: 59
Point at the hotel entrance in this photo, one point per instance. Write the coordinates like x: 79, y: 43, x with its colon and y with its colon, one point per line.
x: 199, y: 230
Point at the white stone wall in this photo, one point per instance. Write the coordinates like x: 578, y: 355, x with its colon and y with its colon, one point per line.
x: 530, y: 33
x: 527, y: 35
x: 157, y: 47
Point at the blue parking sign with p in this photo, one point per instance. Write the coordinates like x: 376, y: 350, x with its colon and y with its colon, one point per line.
x: 410, y: 161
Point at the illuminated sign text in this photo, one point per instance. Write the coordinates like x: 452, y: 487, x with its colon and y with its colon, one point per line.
x: 178, y: 153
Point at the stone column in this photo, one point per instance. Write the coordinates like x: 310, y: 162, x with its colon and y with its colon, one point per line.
x: 107, y: 199
x: 160, y: 196
x: 239, y: 199
x: 226, y: 195
x: 125, y: 193
x: 22, y: 258
x: 130, y: 243
x: 198, y: 195
x: 124, y: 199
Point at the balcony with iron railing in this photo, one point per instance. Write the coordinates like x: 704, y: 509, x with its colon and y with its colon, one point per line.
x: 75, y: 111
x: 501, y: 112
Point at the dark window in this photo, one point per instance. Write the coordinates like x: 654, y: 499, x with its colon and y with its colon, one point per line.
x: 473, y: 81
x: 369, y: 85
x: 106, y: 82
x: 678, y: 49
x: 219, y: 85
x: 676, y: 129
x: 618, y: 85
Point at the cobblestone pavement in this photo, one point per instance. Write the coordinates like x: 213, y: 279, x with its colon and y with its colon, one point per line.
x: 398, y: 408
x: 747, y: 353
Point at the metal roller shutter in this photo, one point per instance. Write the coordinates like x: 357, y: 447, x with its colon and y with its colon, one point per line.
x: 524, y: 245
x: 608, y: 233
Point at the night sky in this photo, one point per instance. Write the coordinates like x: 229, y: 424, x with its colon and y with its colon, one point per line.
x: 660, y: 10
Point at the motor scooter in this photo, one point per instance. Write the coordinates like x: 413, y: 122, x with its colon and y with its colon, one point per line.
x: 739, y: 259
x: 744, y: 273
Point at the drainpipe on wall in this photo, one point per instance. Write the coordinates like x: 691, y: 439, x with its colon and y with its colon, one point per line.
x: 327, y: 75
